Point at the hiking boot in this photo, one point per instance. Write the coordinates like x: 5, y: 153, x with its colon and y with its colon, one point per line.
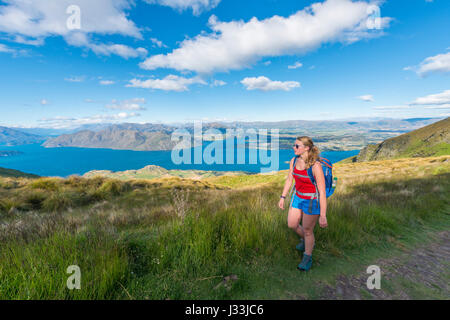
x: 300, y: 246
x: 306, y: 263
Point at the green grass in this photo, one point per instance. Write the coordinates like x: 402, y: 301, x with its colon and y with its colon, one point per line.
x: 15, y: 173
x: 37, y: 269
x: 177, y: 239
x: 422, y: 149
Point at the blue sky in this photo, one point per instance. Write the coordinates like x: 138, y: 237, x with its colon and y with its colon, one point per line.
x: 180, y: 60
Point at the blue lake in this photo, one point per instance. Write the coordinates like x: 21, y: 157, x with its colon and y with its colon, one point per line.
x: 69, y: 160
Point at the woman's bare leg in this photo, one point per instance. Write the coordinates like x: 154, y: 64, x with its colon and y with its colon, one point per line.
x: 309, y: 221
x: 294, y: 217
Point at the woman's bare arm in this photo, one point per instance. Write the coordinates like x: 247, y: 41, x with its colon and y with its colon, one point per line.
x: 287, y: 185
x: 289, y: 178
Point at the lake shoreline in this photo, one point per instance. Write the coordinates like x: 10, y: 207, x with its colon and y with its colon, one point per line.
x: 66, y: 161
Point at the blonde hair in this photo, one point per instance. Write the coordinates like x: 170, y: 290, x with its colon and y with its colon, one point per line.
x: 313, y: 152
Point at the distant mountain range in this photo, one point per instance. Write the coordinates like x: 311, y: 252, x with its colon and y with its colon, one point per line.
x: 14, y: 137
x: 114, y: 138
x: 431, y: 140
x: 354, y: 133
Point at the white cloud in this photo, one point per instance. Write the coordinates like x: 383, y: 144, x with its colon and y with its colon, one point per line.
x: 44, y: 102
x: 296, y: 65
x: 43, y: 18
x: 60, y: 122
x: 15, y: 52
x: 437, y: 63
x: 434, y: 99
x: 392, y: 107
x: 443, y: 106
x: 80, y: 39
x: 75, y: 79
x: 218, y: 83
x: 133, y: 104
x: 169, y: 83
x: 30, y: 22
x: 197, y: 6
x: 367, y: 98
x: 5, y: 48
x: 265, y: 84
x: 238, y: 44
x: 118, y: 49
x: 157, y: 43
x: 106, y: 82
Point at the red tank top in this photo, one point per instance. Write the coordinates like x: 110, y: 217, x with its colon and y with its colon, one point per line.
x: 303, y: 184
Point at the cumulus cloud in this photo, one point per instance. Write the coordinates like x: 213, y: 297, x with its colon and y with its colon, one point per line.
x: 438, y: 63
x: 197, y: 6
x: 366, y: 98
x: 133, y: 104
x: 265, y: 84
x: 434, y: 99
x: 238, y: 44
x: 43, y: 18
x: 30, y: 22
x: 169, y: 83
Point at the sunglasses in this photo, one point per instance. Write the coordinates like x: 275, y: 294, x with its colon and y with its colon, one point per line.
x: 296, y: 146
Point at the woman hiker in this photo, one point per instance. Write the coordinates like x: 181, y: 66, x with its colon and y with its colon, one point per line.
x: 302, y: 207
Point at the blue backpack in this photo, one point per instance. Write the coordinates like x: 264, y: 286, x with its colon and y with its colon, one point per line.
x: 330, y: 183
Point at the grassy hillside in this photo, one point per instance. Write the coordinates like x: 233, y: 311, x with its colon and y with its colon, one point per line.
x: 15, y: 173
x: 431, y: 140
x: 215, y: 238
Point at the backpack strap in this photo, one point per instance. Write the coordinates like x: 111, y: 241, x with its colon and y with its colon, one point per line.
x: 316, y: 194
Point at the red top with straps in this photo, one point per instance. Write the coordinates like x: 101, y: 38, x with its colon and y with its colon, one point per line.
x: 303, y: 184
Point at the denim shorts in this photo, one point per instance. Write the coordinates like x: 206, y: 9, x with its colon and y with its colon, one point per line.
x: 303, y: 204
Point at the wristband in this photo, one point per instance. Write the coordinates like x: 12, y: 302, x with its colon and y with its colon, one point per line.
x: 283, y: 197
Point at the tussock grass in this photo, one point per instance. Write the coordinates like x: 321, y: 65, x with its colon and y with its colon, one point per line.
x: 176, y: 238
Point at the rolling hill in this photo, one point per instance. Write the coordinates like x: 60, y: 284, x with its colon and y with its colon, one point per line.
x: 152, y: 172
x: 11, y: 173
x: 431, y: 140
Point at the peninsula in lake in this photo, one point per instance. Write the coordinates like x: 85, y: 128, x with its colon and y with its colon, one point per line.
x: 9, y: 153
